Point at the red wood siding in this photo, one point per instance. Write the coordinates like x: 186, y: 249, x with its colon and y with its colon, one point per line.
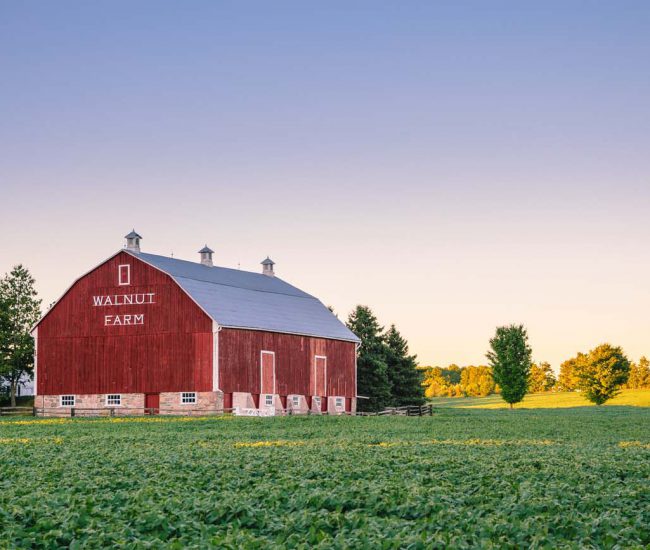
x: 239, y: 362
x: 170, y: 351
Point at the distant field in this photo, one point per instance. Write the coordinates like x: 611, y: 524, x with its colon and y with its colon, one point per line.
x: 463, y: 478
x: 636, y: 398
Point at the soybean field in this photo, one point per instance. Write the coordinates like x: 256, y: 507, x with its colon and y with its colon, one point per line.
x: 463, y: 478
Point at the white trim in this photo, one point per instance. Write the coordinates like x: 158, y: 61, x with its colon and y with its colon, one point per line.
x: 295, y: 398
x: 188, y: 393
x: 307, y: 334
x: 324, y: 375
x: 74, y: 400
x: 35, y: 336
x: 120, y: 281
x: 266, y: 399
x: 109, y: 395
x: 336, y: 405
x: 215, y: 355
x: 356, y: 357
x: 262, y: 352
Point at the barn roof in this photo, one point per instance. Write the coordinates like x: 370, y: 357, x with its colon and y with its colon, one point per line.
x: 242, y: 299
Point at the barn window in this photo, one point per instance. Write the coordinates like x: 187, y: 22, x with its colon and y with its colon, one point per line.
x: 188, y: 398
x: 296, y: 400
x: 317, y: 401
x: 124, y: 275
x: 268, y: 400
x: 67, y: 400
x: 340, y: 403
x: 114, y: 399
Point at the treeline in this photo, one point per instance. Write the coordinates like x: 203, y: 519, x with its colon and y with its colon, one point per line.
x: 573, y: 371
x: 387, y: 374
x: 576, y: 374
x: 478, y: 381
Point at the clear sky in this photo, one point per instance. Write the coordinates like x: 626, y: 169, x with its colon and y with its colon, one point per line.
x: 453, y: 165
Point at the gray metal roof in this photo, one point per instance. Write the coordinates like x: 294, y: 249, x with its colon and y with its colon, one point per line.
x: 243, y: 299
x: 206, y: 250
x: 268, y: 261
x: 132, y: 235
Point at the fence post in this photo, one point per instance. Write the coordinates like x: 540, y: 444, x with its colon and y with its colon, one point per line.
x: 33, y: 411
x: 112, y: 412
x: 71, y: 411
x: 430, y: 410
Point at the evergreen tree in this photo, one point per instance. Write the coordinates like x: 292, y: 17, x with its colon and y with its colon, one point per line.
x: 19, y: 311
x: 510, y: 361
x: 372, y: 371
x: 404, y: 377
x: 602, y: 372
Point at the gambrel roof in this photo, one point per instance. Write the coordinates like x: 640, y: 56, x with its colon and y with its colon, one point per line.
x: 242, y: 299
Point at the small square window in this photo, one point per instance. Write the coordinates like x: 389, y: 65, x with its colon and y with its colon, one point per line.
x: 268, y: 400
x: 340, y: 402
x: 317, y: 401
x: 67, y: 400
x: 114, y: 399
x: 295, y: 400
x: 188, y: 398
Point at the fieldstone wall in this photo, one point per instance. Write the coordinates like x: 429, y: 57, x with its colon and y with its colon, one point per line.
x: 206, y: 402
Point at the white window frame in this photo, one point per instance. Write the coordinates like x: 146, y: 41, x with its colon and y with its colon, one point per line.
x: 112, y: 397
x: 120, y: 278
x: 262, y: 352
x: 336, y: 402
x: 67, y: 398
x: 295, y: 401
x: 186, y: 396
x: 266, y: 400
x: 318, y: 401
x: 324, y: 374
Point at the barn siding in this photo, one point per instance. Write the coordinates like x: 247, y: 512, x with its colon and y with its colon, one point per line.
x: 239, y: 362
x: 171, y: 351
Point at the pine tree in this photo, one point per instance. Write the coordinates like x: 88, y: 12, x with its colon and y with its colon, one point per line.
x: 510, y: 361
x: 405, y: 379
x: 19, y: 311
x: 372, y: 371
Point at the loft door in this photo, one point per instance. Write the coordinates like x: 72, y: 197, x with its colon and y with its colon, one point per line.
x: 319, y: 374
x: 267, y: 373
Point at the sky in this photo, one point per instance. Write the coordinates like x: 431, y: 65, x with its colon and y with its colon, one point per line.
x: 455, y: 166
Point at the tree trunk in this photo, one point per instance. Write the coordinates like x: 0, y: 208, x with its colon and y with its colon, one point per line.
x: 511, y: 406
x: 12, y: 389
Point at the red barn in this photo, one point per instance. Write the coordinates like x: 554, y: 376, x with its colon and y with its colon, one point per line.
x: 146, y: 331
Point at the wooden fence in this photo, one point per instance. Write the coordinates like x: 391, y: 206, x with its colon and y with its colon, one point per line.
x: 424, y: 410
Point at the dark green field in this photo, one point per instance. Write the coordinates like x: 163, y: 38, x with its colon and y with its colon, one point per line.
x: 462, y: 478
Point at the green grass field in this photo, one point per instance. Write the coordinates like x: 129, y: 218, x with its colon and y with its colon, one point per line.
x: 563, y: 478
x: 636, y: 398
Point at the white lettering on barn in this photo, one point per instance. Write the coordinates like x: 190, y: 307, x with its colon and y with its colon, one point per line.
x: 123, y: 320
x: 124, y: 299
x: 126, y: 319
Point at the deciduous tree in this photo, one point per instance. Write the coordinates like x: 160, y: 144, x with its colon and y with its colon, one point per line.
x: 510, y: 361
x: 602, y: 373
x: 542, y: 378
x: 19, y: 311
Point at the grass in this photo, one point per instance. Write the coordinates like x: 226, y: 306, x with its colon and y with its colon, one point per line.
x: 636, y: 398
x: 464, y: 478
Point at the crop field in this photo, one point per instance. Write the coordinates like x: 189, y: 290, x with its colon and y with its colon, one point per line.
x: 551, y: 478
x: 548, y: 400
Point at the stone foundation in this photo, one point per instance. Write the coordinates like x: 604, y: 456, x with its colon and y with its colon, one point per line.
x: 131, y: 404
